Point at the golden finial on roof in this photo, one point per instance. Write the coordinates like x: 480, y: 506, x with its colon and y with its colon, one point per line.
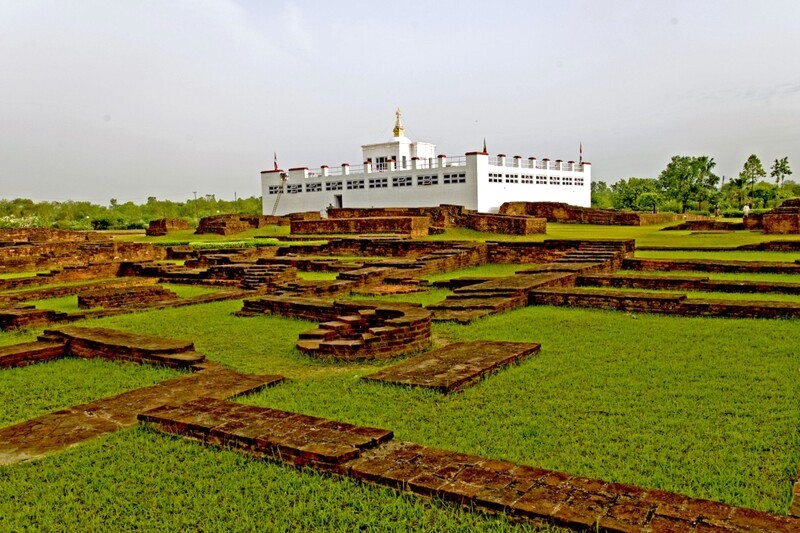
x: 398, y: 125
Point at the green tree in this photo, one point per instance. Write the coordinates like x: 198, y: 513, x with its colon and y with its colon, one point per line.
x: 688, y: 179
x: 602, y: 197
x: 752, y: 172
x: 626, y: 193
x: 780, y: 169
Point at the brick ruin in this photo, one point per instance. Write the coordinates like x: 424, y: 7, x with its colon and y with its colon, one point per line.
x: 439, y: 219
x: 554, y: 272
x: 408, y: 226
x: 571, y: 214
x: 136, y: 295
x: 162, y: 226
x: 231, y: 224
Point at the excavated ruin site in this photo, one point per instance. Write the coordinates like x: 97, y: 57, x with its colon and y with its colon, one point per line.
x: 356, y: 305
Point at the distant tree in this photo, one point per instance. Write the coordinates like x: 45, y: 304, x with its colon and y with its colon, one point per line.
x: 649, y: 201
x: 626, y: 193
x: 601, y: 195
x: 688, y: 178
x: 780, y: 169
x: 752, y: 172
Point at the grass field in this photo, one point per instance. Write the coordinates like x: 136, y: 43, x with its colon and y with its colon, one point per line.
x: 707, y: 407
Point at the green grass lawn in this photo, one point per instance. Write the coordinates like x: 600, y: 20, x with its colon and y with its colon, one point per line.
x: 317, y: 276
x: 722, y: 276
x: 738, y: 255
x: 489, y: 270
x: 17, y: 275
x: 707, y: 407
x: 644, y: 235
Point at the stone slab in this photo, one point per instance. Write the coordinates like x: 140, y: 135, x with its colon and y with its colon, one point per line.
x: 456, y: 366
x: 55, y: 431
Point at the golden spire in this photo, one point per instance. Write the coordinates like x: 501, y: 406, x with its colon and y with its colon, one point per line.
x: 398, y: 125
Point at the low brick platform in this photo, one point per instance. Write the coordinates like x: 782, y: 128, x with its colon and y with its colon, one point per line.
x: 709, y: 265
x: 13, y: 318
x: 456, y: 366
x: 694, y: 283
x: 56, y: 431
x: 31, y: 352
x: 116, y: 297
x: 120, y: 345
x: 663, y: 303
x: 495, y: 295
x: 294, y: 438
x: 524, y: 493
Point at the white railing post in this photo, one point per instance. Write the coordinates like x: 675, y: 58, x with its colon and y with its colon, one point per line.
x: 392, y: 165
x: 345, y: 169
x: 414, y: 163
x: 501, y: 160
x: 325, y: 170
x: 367, y: 167
x: 442, y: 160
x: 518, y: 161
x: 531, y: 162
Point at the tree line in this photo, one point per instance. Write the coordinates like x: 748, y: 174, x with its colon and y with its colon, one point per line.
x: 689, y: 183
x: 22, y: 212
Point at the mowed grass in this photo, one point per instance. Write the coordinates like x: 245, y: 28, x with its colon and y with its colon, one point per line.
x: 488, y: 270
x: 39, y: 389
x: 644, y: 235
x: 142, y: 480
x: 722, y: 276
x: 705, y: 407
x: 737, y: 255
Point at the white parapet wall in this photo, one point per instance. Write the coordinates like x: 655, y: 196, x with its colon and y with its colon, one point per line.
x: 476, y: 181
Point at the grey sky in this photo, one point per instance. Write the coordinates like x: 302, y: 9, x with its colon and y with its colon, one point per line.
x: 129, y: 99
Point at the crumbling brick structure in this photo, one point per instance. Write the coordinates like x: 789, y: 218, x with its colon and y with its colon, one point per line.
x: 571, y: 214
x: 117, y: 297
x: 407, y: 226
x: 162, y: 226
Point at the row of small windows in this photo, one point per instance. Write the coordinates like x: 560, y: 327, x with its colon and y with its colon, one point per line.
x: 433, y: 179
x: 373, y: 183
x: 454, y: 178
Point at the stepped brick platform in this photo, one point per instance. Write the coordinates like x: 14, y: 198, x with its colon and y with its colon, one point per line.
x: 125, y: 297
x: 294, y: 438
x: 456, y: 366
x: 351, y: 330
x: 524, y: 493
x: 665, y: 303
x: 56, y: 431
x: 120, y: 345
x: 496, y: 295
x: 693, y: 283
x: 709, y: 265
x: 30, y: 352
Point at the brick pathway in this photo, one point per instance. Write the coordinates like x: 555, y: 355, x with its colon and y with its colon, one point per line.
x: 55, y: 431
x: 455, y: 366
x: 522, y: 492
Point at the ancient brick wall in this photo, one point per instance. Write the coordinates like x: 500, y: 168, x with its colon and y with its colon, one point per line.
x: 505, y: 224
x: 443, y: 216
x: 47, y: 235
x: 93, y: 271
x: 162, y: 226
x: 116, y: 297
x: 61, y: 254
x: 230, y: 224
x: 410, y: 226
x: 565, y: 213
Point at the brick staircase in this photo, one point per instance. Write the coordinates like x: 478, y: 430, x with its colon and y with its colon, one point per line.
x: 610, y: 253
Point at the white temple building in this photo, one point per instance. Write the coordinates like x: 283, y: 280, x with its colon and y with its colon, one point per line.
x: 403, y: 173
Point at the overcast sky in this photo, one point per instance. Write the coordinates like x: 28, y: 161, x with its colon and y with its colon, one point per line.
x: 129, y: 99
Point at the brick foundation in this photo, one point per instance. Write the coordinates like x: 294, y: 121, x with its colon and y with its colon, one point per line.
x: 407, y: 226
x: 571, y: 214
x: 162, y: 226
x: 135, y: 296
